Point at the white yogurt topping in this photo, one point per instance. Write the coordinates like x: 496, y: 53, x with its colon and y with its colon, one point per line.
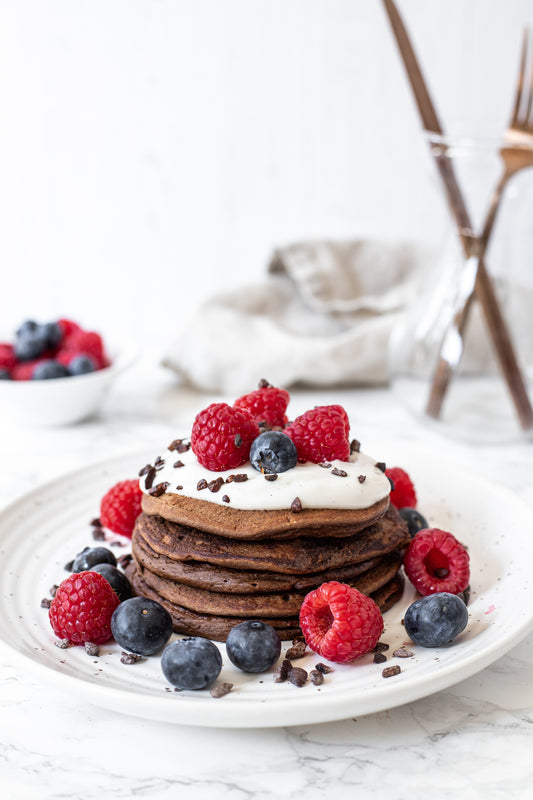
x: 316, y: 486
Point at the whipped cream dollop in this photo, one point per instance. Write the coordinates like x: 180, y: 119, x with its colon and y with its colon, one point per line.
x: 357, y: 483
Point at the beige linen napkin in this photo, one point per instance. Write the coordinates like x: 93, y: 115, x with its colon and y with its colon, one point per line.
x: 322, y: 316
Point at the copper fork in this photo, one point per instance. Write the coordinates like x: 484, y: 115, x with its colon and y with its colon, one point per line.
x: 517, y: 154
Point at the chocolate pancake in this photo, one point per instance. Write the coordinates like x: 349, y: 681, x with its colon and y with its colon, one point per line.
x: 214, y: 578
x: 264, y: 605
x: 280, y: 524
x: 217, y: 627
x: 303, y: 556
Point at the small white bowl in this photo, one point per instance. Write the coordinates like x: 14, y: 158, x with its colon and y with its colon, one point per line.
x: 61, y: 401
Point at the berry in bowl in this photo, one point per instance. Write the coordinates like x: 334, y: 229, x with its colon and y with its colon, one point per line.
x: 56, y: 373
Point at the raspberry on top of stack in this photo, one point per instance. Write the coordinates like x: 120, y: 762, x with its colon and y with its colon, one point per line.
x: 252, y: 512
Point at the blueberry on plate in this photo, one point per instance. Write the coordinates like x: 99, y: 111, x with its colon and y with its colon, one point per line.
x: 436, y: 619
x: 91, y: 556
x: 30, y: 345
x: 415, y: 521
x: 81, y: 365
x: 192, y: 663
x: 49, y: 369
x: 253, y: 646
x: 273, y: 451
x: 141, y: 626
x: 52, y: 333
x: 116, y: 579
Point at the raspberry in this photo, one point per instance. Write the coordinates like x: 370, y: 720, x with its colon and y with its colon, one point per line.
x: 321, y: 434
x: 120, y: 507
x: 24, y: 370
x: 68, y: 326
x: 403, y: 495
x: 436, y: 562
x: 266, y: 404
x: 339, y: 622
x: 7, y: 357
x: 222, y: 436
x: 88, y: 343
x: 82, y: 608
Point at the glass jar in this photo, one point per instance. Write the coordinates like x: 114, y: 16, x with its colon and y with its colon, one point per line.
x: 477, y: 404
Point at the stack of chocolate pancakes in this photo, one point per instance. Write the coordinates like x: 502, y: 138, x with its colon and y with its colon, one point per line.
x: 219, y: 548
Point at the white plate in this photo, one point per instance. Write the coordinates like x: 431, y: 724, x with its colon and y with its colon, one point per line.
x: 46, y: 528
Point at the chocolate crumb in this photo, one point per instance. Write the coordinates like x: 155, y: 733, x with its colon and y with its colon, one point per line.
x: 298, y: 639
x: 282, y: 672
x: 402, y: 652
x: 159, y: 489
x: 215, y: 484
x: 240, y: 477
x: 175, y: 444
x: 238, y: 440
x: 159, y: 463
x: 130, y: 658
x: 340, y: 472
x: 379, y: 647
x: 98, y: 534
x: 150, y: 477
x: 361, y: 478
x: 178, y: 464
x: 316, y: 677
x: 46, y: 602
x: 297, y: 676
x: 124, y: 560
x: 53, y: 589
x: 296, y: 505
x: 379, y: 658
x: 182, y: 448
x: 381, y: 465
x: 96, y: 522
x: 271, y: 476
x: 92, y: 649
x: 179, y: 446
x: 225, y: 498
x: 145, y: 470
x: 388, y: 672
x: 323, y: 668
x: 117, y: 543
x: 202, y: 484
x: 263, y: 384
x: 355, y: 446
x: 63, y: 643
x: 179, y: 487
x: 221, y: 689
x: 325, y: 464
x: 296, y: 651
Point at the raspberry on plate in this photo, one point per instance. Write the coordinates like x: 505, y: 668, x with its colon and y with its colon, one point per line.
x: 436, y: 561
x: 87, y: 343
x: 82, y: 608
x: 120, y: 507
x: 403, y: 495
x: 321, y: 434
x: 221, y: 436
x: 266, y: 404
x: 339, y: 622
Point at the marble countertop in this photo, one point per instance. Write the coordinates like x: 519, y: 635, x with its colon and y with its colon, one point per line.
x: 471, y: 740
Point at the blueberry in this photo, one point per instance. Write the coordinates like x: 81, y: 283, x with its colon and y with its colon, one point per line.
x: 192, y: 663
x: 28, y: 326
x: 415, y: 521
x: 117, y: 580
x: 141, y: 626
x: 4, y: 375
x: 48, y: 370
x: 81, y: 365
x: 253, y: 646
x: 53, y: 333
x: 273, y: 451
x: 91, y: 556
x: 30, y: 345
x: 435, y: 620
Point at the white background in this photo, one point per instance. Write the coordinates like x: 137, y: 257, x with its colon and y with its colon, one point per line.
x: 153, y: 152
